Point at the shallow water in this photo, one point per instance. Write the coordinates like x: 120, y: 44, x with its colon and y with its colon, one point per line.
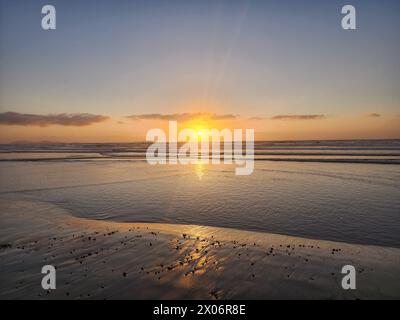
x: 357, y: 203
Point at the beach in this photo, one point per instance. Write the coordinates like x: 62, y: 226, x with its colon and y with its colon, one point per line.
x: 109, y: 260
x: 199, y: 150
x: 115, y: 227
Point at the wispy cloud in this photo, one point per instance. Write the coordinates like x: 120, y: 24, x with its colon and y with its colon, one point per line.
x: 299, y: 117
x: 290, y: 117
x: 256, y: 118
x: 183, y: 116
x: 373, y: 115
x: 64, y: 119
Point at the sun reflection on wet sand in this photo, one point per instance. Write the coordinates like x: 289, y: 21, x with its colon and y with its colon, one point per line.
x: 197, y: 257
x: 200, y: 169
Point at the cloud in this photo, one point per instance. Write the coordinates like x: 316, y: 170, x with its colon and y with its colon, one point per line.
x: 299, y: 117
x: 64, y: 119
x: 373, y: 115
x: 183, y: 116
x: 256, y: 118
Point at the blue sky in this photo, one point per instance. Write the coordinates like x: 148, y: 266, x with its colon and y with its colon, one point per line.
x: 253, y: 58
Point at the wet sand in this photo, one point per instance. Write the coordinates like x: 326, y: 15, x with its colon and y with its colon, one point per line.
x: 107, y: 260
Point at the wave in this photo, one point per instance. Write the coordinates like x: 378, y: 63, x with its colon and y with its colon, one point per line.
x: 332, y: 151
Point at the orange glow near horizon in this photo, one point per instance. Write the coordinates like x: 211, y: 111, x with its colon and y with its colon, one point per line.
x: 125, y: 130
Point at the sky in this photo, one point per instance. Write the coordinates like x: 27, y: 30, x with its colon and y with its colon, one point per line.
x: 113, y: 69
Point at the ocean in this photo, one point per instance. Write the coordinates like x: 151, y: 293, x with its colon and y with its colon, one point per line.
x: 345, y: 191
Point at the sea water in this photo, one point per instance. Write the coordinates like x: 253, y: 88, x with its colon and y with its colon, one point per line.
x: 343, y: 191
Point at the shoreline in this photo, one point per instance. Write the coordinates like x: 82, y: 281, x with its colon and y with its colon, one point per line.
x: 111, y: 260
